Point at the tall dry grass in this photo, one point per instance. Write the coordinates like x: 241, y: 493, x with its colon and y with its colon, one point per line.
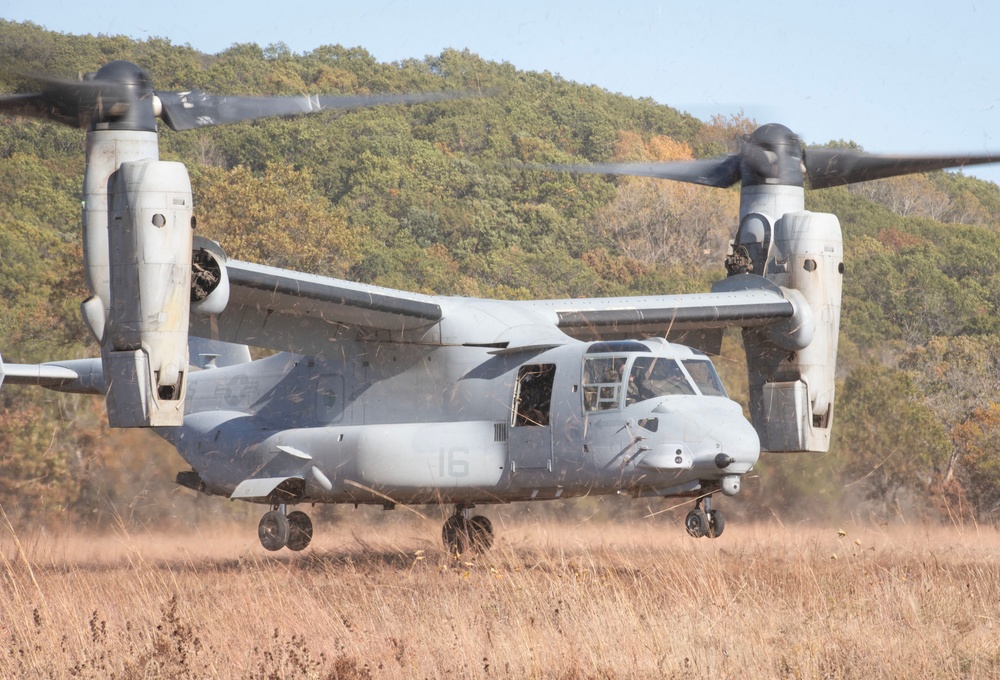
x: 383, y: 600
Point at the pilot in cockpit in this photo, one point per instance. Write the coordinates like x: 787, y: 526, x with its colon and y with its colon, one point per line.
x: 656, y: 377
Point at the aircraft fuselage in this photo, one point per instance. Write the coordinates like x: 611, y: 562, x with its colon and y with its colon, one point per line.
x: 401, y: 423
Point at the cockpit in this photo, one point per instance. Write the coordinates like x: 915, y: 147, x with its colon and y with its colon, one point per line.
x: 619, y: 374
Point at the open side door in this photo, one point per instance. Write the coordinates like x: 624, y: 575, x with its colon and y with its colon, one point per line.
x: 530, y: 439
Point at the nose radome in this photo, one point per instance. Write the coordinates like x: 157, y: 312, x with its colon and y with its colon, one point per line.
x: 710, y: 427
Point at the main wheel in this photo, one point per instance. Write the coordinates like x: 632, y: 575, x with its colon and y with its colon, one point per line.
x: 455, y: 534
x: 696, y: 523
x: 716, y: 523
x: 300, y: 530
x: 273, y: 530
x: 481, y: 533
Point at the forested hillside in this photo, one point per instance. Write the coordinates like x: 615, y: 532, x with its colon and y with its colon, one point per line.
x: 434, y: 198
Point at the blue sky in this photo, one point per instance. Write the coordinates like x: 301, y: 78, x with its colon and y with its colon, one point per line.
x: 906, y: 77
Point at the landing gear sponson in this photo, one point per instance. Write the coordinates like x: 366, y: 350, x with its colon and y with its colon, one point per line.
x: 278, y: 530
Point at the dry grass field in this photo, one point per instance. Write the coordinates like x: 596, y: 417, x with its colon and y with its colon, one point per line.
x: 594, y: 600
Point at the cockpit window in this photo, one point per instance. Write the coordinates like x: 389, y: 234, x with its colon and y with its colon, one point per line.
x: 703, y: 373
x: 602, y: 381
x: 656, y: 377
x: 605, y: 380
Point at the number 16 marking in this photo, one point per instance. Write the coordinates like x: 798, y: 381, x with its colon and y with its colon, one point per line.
x: 450, y: 464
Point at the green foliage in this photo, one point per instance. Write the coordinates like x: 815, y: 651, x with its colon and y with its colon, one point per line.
x: 275, y: 217
x: 39, y: 257
x: 37, y: 481
x: 911, y: 279
x: 956, y: 374
x: 890, y: 440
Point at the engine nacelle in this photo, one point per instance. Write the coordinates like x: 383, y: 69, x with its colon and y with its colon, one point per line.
x: 792, y: 372
x: 145, y: 348
x: 209, y: 278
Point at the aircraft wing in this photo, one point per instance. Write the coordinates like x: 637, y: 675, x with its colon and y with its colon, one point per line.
x: 293, y: 311
x: 698, y: 319
x: 303, y: 313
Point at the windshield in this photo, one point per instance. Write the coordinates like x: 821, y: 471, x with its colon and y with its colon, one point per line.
x: 656, y: 377
x: 604, y: 378
x: 703, y: 373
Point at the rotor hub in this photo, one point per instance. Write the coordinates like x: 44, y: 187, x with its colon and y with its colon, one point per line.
x: 772, y: 154
x: 127, y: 101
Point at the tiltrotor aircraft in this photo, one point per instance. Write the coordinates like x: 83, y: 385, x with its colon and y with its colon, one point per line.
x: 382, y: 396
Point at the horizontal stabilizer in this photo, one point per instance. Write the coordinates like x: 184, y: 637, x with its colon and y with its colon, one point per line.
x: 81, y: 376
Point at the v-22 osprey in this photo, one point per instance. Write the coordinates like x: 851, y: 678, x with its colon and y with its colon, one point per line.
x: 387, y: 397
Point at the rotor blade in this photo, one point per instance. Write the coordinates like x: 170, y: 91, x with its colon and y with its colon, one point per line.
x: 714, y: 172
x: 195, y: 109
x: 834, y: 167
x: 22, y: 104
x: 71, y: 102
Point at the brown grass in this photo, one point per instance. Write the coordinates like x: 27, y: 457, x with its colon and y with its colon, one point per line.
x: 383, y: 600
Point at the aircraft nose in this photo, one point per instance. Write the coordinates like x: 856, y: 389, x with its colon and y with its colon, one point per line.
x: 714, y: 430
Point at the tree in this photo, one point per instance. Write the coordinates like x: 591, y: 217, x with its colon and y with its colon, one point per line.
x: 275, y: 218
x: 955, y: 373
x: 723, y: 134
x: 893, y: 447
x: 907, y: 196
x: 667, y: 223
x: 975, y: 463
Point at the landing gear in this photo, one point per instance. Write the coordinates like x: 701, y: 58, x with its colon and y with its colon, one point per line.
x: 481, y: 533
x: 455, y: 534
x: 696, y: 523
x: 708, y: 522
x: 462, y: 532
x: 278, y: 530
x: 273, y: 530
x: 716, y: 523
x: 300, y: 530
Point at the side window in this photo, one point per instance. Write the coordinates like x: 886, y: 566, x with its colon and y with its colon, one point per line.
x: 330, y: 398
x: 533, y: 394
x: 602, y: 381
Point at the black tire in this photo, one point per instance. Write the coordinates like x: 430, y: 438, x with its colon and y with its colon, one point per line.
x: 696, y: 523
x: 481, y: 533
x: 300, y: 530
x: 716, y: 523
x: 455, y: 535
x: 273, y: 530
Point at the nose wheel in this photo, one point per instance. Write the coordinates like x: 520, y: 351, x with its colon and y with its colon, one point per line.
x: 278, y: 530
x: 704, y: 522
x: 461, y: 531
